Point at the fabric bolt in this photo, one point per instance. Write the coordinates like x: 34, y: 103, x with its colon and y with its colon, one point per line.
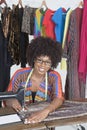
x: 74, y: 86
x: 54, y: 90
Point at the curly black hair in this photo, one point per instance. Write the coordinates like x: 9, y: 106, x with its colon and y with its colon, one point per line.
x: 44, y: 46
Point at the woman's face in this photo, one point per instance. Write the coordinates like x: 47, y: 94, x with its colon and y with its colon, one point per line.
x: 42, y: 64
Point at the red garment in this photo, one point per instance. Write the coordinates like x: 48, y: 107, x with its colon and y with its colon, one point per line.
x: 48, y: 24
x: 83, y: 45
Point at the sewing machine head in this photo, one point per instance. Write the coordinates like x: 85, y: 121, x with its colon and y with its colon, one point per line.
x: 18, y: 95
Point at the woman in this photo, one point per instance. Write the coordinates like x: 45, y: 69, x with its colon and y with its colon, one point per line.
x: 41, y: 82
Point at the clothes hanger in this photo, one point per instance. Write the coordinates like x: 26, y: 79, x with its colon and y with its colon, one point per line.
x: 80, y: 4
x: 43, y: 5
x: 3, y: 2
x: 20, y: 3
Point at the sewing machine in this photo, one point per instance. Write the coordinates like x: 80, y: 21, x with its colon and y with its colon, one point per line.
x: 9, y: 95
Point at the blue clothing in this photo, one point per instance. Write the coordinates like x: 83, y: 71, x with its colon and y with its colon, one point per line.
x: 59, y: 19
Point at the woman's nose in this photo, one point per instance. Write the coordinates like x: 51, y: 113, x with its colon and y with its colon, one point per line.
x: 43, y: 63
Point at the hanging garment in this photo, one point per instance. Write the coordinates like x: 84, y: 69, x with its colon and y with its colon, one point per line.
x: 4, y: 64
x: 48, y: 23
x: 67, y: 19
x: 59, y: 20
x: 6, y: 21
x: 74, y: 86
x: 63, y: 65
x: 38, y: 26
x: 83, y: 45
x: 24, y: 41
x: 28, y: 20
x: 14, y: 36
x: 18, y: 40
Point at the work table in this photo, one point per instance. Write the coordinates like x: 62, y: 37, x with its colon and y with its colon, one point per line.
x: 71, y: 112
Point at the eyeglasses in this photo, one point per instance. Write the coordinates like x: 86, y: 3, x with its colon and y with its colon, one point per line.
x: 40, y: 61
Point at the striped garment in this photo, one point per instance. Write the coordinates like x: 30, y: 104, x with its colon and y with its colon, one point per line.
x: 54, y: 85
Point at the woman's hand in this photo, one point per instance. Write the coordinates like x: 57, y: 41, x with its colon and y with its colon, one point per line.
x: 37, y: 116
x: 41, y: 115
x: 14, y: 104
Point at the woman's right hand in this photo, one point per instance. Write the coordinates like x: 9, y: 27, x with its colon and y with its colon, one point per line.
x: 14, y: 103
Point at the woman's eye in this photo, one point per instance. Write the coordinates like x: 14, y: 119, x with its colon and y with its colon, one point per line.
x: 39, y: 60
x: 49, y: 63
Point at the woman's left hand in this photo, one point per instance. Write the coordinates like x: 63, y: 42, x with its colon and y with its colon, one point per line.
x: 37, y: 116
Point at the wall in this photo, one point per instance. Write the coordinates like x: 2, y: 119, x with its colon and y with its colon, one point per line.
x: 52, y: 4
